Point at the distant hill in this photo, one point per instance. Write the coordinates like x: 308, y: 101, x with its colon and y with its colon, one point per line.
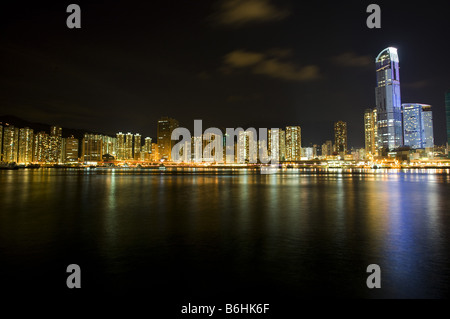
x: 37, y: 127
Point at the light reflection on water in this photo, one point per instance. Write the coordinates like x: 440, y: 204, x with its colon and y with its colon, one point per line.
x: 306, y: 234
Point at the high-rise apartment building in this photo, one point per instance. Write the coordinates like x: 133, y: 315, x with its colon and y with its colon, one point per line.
x: 109, y: 145
x: 293, y: 143
x: 147, y: 149
x: 137, y: 147
x: 247, y: 148
x: 54, y: 154
x: 371, y: 131
x: 129, y: 146
x: 340, y: 137
x: 155, y: 152
x: 388, y: 100
x: 25, y: 146
x: 120, y: 146
x: 273, y: 141
x: 417, y: 125
x: 41, y: 147
x: 166, y: 125
x: 10, y: 147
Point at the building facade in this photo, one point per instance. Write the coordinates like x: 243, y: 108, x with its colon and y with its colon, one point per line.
x: 293, y: 143
x: 340, y: 137
x: 92, y: 148
x: 70, y: 150
x: 417, y: 126
x: 10, y: 141
x: 25, y: 146
x: 166, y: 125
x: 371, y: 131
x: 388, y: 100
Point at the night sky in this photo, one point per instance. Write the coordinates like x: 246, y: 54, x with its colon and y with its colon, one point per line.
x: 259, y: 63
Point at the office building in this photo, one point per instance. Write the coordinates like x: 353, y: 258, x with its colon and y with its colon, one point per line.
x: 92, y: 148
x: 166, y: 125
x: 417, y: 125
x: 70, y: 150
x: 388, y: 101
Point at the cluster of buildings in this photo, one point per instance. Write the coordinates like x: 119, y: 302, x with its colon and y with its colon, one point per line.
x: 391, y: 129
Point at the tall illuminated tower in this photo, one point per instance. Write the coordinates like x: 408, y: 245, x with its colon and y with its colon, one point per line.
x: 418, y: 125
x: 129, y: 146
x: 371, y: 131
x: 165, y: 127
x: 388, y: 100
x: 120, y: 146
x: 137, y: 147
x: 71, y: 150
x: 25, y: 145
x: 340, y: 137
x: 293, y: 143
x: 10, y: 141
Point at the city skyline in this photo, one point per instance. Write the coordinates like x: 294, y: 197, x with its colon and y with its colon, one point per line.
x: 190, y: 62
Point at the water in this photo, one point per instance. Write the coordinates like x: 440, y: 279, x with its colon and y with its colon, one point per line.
x: 196, y: 234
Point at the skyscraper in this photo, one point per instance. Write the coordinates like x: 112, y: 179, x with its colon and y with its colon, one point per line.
x: 92, y: 148
x: 9, y: 144
x: 129, y: 146
x: 25, y: 146
x: 71, y: 150
x: 340, y: 137
x: 54, y: 155
x: 109, y: 145
x: 371, y: 131
x: 247, y: 150
x: 273, y: 147
x: 41, y: 147
x: 447, y: 111
x: 147, y: 149
x: 137, y: 147
x: 120, y: 146
x: 388, y: 100
x: 417, y: 125
x: 165, y: 127
x: 293, y: 143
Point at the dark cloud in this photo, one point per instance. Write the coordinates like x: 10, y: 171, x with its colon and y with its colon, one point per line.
x: 270, y: 65
x: 350, y: 59
x: 240, y: 12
